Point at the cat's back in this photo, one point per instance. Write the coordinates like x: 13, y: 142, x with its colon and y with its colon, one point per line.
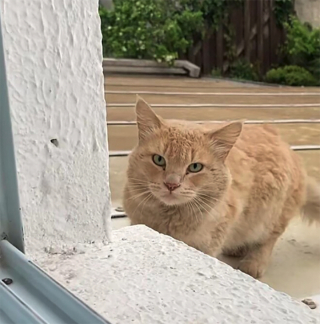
x: 263, y: 134
x: 255, y: 140
x: 262, y: 142
x: 261, y: 153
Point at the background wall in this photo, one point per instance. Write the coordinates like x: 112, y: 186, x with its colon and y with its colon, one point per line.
x: 54, y: 66
x: 106, y: 3
x: 308, y: 11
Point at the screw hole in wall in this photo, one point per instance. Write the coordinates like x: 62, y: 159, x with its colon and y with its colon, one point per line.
x: 55, y: 142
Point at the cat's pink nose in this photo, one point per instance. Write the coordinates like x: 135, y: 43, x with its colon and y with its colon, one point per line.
x: 172, y: 186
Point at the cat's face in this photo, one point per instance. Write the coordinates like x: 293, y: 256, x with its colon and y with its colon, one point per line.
x: 179, y: 163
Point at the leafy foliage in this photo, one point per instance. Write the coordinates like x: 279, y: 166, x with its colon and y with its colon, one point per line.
x: 291, y: 75
x: 159, y: 30
x: 149, y: 29
x: 164, y: 29
x: 301, y: 55
x: 216, y: 73
x: 282, y: 10
x: 243, y: 70
x: 302, y: 47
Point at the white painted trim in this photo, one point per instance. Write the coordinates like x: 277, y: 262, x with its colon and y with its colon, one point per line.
x: 214, y: 93
x: 206, y: 105
x: 305, y: 147
x: 293, y: 147
x: 262, y: 121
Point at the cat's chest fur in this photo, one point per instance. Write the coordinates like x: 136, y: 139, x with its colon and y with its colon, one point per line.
x: 179, y: 223
x: 175, y: 222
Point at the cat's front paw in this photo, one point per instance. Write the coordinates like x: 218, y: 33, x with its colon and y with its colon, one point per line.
x: 253, y: 268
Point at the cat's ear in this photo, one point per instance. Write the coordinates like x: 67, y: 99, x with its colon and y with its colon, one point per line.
x: 147, y: 120
x: 223, y: 139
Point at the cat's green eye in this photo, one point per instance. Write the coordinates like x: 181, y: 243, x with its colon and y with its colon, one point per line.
x: 159, y: 160
x: 195, y: 167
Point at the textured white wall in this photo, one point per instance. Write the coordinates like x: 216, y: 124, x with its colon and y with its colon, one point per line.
x: 308, y: 11
x: 53, y: 55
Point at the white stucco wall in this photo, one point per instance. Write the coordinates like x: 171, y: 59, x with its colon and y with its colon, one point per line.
x: 308, y: 11
x: 144, y: 277
x: 54, y: 66
x: 106, y: 3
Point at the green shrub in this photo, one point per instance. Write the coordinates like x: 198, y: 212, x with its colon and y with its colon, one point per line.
x: 291, y: 75
x: 243, y: 70
x: 149, y: 29
x: 302, y: 46
x: 216, y: 73
x: 282, y: 10
x: 159, y: 29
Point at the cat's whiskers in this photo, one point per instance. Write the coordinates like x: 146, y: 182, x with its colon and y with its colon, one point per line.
x: 135, y: 183
x: 202, y: 204
x: 154, y: 186
x: 137, y: 190
x: 138, y: 195
x: 207, y: 196
x: 201, y: 201
x: 143, y: 206
x: 141, y: 202
x: 209, y: 201
x: 130, y: 178
x: 200, y: 214
x: 197, y: 217
x: 139, y: 184
x: 213, y: 209
x: 190, y: 208
x: 188, y: 205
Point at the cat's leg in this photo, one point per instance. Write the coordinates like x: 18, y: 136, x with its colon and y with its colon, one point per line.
x: 257, y: 259
x: 238, y: 252
x: 217, y: 239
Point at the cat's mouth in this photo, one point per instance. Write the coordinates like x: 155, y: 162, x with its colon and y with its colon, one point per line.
x: 171, y: 198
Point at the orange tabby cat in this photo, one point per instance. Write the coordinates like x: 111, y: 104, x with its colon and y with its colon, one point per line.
x: 231, y: 189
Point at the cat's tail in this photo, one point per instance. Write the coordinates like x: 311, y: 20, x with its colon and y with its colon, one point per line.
x: 311, y: 208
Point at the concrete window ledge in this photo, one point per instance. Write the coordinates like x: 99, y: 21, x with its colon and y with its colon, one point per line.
x: 145, y: 277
